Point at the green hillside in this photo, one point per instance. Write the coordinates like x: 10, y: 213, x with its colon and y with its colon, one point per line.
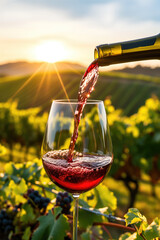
x: 127, y: 91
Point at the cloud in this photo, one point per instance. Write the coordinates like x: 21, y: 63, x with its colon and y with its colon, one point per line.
x: 134, y: 10
x: 75, y: 8
x: 140, y: 10
x: 80, y: 24
x: 76, y: 19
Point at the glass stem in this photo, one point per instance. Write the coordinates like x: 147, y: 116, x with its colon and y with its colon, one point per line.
x: 75, y: 216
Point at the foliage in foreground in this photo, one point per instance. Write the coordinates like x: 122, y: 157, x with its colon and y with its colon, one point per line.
x: 31, y: 220
x: 136, y: 139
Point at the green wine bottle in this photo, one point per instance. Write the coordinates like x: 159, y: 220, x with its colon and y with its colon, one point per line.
x: 130, y: 51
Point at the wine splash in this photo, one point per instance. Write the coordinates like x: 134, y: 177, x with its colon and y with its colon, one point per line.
x: 87, y: 84
x: 74, y: 171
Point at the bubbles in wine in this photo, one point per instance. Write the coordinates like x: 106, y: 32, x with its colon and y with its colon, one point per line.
x: 83, y: 173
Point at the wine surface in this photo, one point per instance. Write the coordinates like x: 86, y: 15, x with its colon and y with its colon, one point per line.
x: 87, y: 84
x: 82, y: 174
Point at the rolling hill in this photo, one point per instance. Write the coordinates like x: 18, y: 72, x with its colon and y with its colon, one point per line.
x: 43, y: 83
x: 24, y: 68
x: 142, y: 70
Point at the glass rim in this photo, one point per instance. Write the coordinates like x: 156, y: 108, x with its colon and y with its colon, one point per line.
x: 75, y: 101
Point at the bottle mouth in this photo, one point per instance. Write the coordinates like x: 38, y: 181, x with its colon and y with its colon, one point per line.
x: 96, y: 53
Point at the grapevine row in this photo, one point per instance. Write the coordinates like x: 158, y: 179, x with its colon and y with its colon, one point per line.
x: 135, y: 139
x: 32, y: 213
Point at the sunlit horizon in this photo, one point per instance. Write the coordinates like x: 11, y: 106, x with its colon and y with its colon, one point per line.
x: 51, y: 52
x: 27, y: 27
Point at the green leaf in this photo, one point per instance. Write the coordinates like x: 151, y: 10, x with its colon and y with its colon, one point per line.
x: 17, y: 191
x: 27, y: 234
x: 59, y: 229
x: 105, y: 198
x: 45, y: 227
x: 124, y: 236
x: 88, y: 218
x: 8, y: 168
x: 32, y: 172
x: 157, y: 220
x: 138, y: 237
x: 15, y: 170
x: 152, y: 231
x: 15, y: 179
x: 51, y: 228
x: 82, y: 202
x: 128, y: 236
x: 18, y: 188
x: 27, y: 214
x: 85, y: 236
x: 57, y: 211
x: 88, y: 199
x: 134, y: 216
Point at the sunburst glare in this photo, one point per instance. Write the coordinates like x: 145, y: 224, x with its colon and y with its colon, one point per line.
x: 51, y: 51
x: 27, y: 82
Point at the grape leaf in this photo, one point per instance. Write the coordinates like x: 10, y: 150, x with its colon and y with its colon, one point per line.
x: 83, y: 203
x: 138, y: 237
x: 152, y: 231
x: 27, y: 234
x: 125, y: 236
x: 57, y: 211
x: 88, y: 218
x: 134, y: 216
x: 105, y: 197
x: 8, y: 168
x: 88, y: 199
x: 15, y: 178
x: 51, y: 228
x: 128, y: 236
x: 45, y: 227
x: 16, y: 190
x: 85, y: 236
x: 157, y: 220
x: 59, y: 229
x: 101, y: 198
x: 32, y: 172
x: 27, y: 215
x: 29, y: 172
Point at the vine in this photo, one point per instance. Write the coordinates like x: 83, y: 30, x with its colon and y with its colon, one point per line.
x: 39, y: 213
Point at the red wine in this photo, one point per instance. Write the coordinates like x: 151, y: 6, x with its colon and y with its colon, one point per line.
x: 87, y: 84
x: 72, y: 171
x: 82, y: 174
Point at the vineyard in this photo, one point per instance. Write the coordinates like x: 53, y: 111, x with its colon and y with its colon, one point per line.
x: 38, y: 90
x: 136, y: 154
x: 33, y: 208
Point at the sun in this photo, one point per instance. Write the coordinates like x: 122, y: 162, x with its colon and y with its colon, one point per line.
x: 51, y: 51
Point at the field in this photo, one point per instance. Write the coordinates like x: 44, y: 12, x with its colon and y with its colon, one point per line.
x: 134, y: 177
x: 127, y: 91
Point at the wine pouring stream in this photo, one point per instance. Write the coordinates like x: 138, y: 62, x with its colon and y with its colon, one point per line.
x: 77, y: 147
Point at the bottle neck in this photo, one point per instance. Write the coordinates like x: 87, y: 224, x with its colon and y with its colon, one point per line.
x: 130, y: 51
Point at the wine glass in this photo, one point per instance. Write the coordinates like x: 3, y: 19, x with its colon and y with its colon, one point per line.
x: 92, y: 155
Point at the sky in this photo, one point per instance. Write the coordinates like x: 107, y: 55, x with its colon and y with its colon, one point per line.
x: 71, y: 28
